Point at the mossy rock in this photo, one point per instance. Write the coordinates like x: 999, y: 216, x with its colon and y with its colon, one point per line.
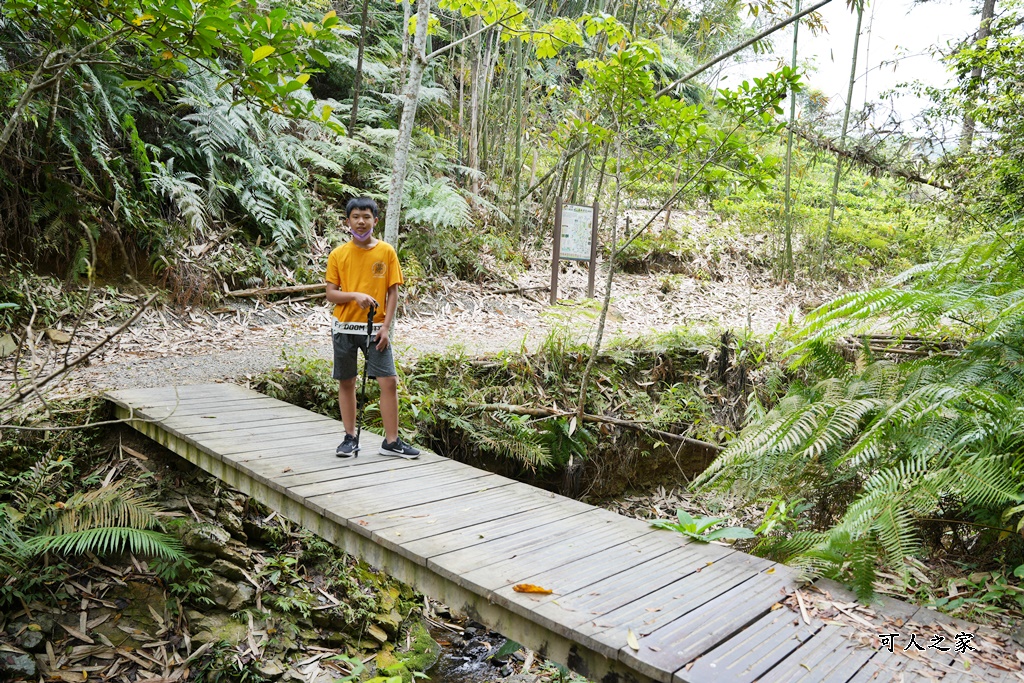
x: 424, y: 650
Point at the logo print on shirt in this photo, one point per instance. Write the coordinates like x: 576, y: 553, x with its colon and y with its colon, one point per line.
x: 379, y: 269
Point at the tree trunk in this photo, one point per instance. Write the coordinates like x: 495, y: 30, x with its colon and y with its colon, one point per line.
x: 359, y: 72
x: 988, y: 10
x: 842, y: 136
x: 410, y: 101
x: 581, y: 407
x: 406, y: 16
x: 786, y: 267
x: 517, y: 215
x: 474, y: 103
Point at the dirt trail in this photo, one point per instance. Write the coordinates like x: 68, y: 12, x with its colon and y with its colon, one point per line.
x: 193, y: 346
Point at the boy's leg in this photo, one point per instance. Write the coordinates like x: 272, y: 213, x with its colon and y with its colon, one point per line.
x: 345, y: 364
x: 389, y: 406
x: 381, y: 366
x: 347, y: 404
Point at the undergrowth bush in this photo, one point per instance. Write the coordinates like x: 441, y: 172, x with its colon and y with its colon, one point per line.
x: 913, y: 459
x: 63, y: 498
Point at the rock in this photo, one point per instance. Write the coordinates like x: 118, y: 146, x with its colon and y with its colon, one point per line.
x: 335, y: 638
x: 506, y: 671
x: 271, y: 670
x: 468, y: 632
x: 377, y: 633
x: 519, y: 656
x: 227, y: 570
x: 58, y: 336
x: 390, y: 622
x: 232, y: 522
x: 32, y: 640
x: 423, y: 651
x: 15, y: 665
x: 234, y: 552
x: 206, y: 539
x: 7, y: 345
x: 173, y: 502
x: 228, y: 595
x: 331, y: 619
x: 1018, y: 635
x: 236, y: 503
x: 214, y: 628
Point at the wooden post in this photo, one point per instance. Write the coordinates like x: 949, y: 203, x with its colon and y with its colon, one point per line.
x: 592, y: 269
x: 556, y: 248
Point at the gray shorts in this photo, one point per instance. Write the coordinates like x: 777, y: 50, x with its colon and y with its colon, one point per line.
x: 346, y: 352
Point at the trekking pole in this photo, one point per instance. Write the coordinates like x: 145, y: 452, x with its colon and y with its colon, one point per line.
x: 362, y: 398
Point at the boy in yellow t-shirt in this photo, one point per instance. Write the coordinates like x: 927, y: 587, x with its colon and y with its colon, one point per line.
x: 364, y: 273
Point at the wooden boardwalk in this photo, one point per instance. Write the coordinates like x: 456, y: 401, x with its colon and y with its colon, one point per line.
x: 698, y: 612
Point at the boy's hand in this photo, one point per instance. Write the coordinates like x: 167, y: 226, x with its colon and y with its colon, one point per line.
x: 364, y: 300
x: 382, y: 339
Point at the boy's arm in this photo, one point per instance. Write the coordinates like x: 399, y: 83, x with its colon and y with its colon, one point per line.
x: 389, y: 314
x: 336, y: 296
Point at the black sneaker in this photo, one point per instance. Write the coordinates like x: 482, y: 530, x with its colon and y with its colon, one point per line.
x: 348, y: 447
x: 399, y: 448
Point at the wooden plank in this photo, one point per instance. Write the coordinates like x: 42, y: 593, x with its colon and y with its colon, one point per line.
x: 489, y: 574
x: 245, y: 439
x: 344, y: 505
x: 262, y: 423
x: 515, y: 526
x: 574, y: 576
x: 817, y: 657
x: 608, y: 631
x: 393, y: 530
x: 319, y: 442
x: 304, y: 468
x: 502, y: 546
x: 172, y: 393
x: 667, y: 647
x: 748, y: 655
x: 422, y: 475
x: 163, y: 407
x: 221, y: 407
x: 606, y: 575
x: 606, y: 595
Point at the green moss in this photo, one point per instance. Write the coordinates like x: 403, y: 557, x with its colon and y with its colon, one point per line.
x: 424, y: 650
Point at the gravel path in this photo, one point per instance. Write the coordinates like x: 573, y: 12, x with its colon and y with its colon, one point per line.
x: 245, y: 338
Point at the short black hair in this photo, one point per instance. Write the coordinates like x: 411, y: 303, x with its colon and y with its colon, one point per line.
x: 362, y: 203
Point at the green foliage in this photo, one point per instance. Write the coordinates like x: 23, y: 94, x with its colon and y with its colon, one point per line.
x: 699, y: 528
x: 304, y: 380
x: 51, y: 514
x: 888, y: 445
x: 880, y: 227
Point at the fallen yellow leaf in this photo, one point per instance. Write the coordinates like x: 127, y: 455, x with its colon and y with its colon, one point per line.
x: 631, y: 639
x: 530, y: 588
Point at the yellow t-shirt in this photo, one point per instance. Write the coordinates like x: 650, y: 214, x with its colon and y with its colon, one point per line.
x: 370, y: 271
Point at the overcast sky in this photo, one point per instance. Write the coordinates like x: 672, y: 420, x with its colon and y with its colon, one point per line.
x: 894, y: 44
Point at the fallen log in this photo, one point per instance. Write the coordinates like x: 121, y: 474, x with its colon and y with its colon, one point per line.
x: 587, y: 417
x: 262, y: 291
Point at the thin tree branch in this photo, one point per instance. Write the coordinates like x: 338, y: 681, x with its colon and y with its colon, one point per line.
x: 587, y: 417
x: 441, y: 50
x: 20, y: 395
x: 725, y: 55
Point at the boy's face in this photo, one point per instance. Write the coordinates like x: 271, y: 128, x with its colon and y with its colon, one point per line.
x: 360, y: 224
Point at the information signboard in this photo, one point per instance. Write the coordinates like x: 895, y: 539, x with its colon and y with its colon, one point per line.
x: 577, y: 230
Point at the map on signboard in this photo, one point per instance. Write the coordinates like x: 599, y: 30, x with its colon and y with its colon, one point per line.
x: 577, y: 224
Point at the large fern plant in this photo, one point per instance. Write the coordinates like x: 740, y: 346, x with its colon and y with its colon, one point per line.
x: 39, y: 515
x: 887, y: 446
